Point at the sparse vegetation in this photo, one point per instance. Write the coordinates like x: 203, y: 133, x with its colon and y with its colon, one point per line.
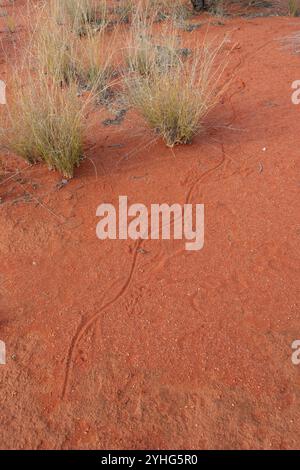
x: 61, y: 54
x: 172, y: 88
x: 44, y: 122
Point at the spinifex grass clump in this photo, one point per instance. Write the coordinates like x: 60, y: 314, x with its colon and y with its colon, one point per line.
x: 45, y: 123
x: 175, y: 99
x: 147, y: 58
x: 81, y: 14
x: 167, y: 9
x: 156, y: 10
x: 169, y: 105
x: 65, y: 57
x: 147, y: 53
x: 94, y: 59
x: 55, y: 49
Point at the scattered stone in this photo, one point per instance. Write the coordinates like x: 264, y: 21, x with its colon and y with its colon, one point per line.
x: 61, y: 184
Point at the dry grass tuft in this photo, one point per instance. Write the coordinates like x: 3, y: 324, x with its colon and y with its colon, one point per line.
x: 80, y: 14
x: 156, y: 10
x: 147, y: 53
x: 45, y: 123
x: 65, y: 57
x: 95, y: 60
x: 54, y: 49
x: 175, y: 94
x: 167, y: 9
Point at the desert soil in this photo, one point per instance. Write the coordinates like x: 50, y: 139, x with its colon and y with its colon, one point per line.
x: 114, y: 344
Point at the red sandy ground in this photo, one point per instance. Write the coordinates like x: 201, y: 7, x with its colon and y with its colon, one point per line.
x: 114, y: 346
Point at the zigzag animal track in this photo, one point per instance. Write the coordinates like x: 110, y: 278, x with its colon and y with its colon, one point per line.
x: 88, y: 323
x: 138, y: 245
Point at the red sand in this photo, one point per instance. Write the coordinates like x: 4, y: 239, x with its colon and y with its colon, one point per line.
x: 111, y: 346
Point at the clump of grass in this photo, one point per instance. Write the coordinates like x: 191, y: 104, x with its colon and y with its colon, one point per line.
x: 81, y: 14
x: 293, y: 7
x: 141, y: 54
x: 155, y: 10
x: 60, y: 54
x: 44, y: 123
x: 55, y: 49
x: 94, y: 57
x: 147, y: 54
x: 167, y: 9
x: 44, y: 119
x: 175, y: 101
